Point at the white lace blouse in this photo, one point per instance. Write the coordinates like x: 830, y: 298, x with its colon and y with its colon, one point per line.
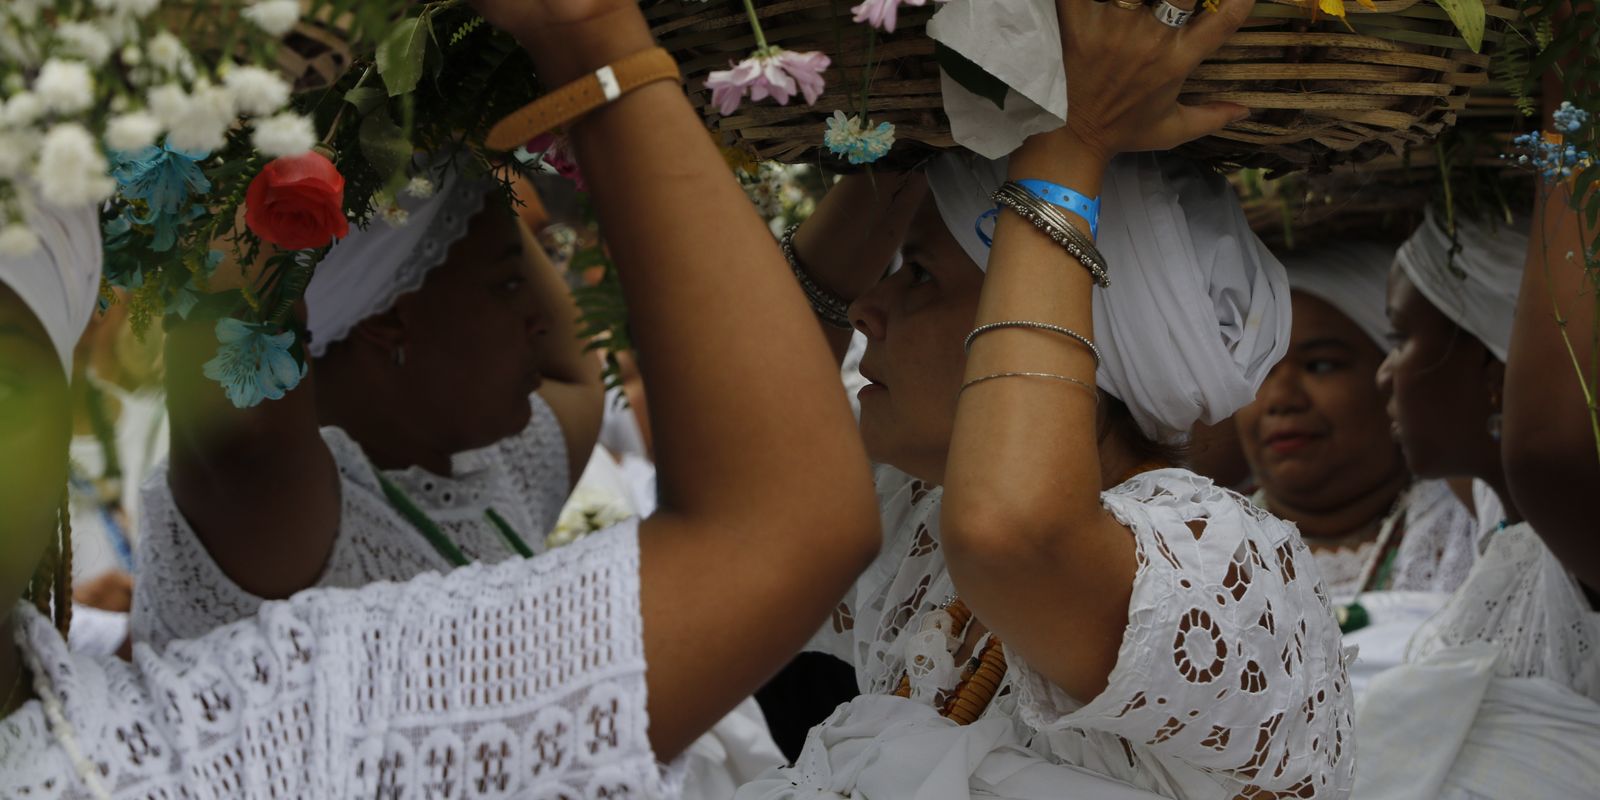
x: 182, y: 593
x: 1230, y: 680
x: 524, y: 679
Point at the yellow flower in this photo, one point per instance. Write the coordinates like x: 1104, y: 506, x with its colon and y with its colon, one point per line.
x: 739, y: 158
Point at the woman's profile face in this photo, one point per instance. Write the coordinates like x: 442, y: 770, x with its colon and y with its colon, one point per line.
x: 1317, y: 436
x: 914, y: 321
x: 1440, y: 381
x: 35, y: 426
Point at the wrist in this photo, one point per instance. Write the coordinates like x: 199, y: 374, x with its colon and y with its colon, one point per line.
x: 566, y: 51
x: 1060, y: 157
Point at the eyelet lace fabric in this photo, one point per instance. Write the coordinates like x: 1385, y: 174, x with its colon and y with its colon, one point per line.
x: 183, y: 594
x: 1230, y: 681
x: 1439, y: 547
x: 1520, y: 599
x: 524, y: 679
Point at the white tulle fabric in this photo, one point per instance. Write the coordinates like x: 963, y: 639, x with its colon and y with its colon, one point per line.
x: 1500, y: 695
x: 524, y: 679
x: 182, y: 593
x: 1230, y: 680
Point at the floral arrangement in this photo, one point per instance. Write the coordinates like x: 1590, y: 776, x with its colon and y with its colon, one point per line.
x: 589, y: 510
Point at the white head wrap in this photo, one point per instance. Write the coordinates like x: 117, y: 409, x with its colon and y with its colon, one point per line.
x: 1353, y: 277
x: 60, y: 280
x: 1475, y: 285
x: 1198, y: 309
x: 368, y: 270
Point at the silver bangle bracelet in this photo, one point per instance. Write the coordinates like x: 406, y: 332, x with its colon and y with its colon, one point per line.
x: 1053, y: 223
x: 829, y: 307
x: 1042, y: 326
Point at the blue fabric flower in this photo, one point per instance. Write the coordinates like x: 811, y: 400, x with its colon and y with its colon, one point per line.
x: 253, y: 364
x: 845, y: 137
x: 166, y: 180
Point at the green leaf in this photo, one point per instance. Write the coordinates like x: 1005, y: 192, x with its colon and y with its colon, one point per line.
x: 1469, y: 17
x: 403, y: 52
x: 384, y: 144
x: 365, y: 99
x: 973, y: 78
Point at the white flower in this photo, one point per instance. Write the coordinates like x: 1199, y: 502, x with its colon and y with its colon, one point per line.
x: 201, y: 123
x: 256, y: 91
x: 132, y: 8
x: 132, y: 56
x: 588, y: 510
x: 119, y: 29
x: 286, y: 134
x: 72, y: 170
x: 274, y: 16
x: 166, y: 52
x: 395, y: 216
x: 169, y: 103
x: 22, y: 110
x: 132, y: 131
x: 85, y: 41
x: 420, y: 187
x: 17, y: 241
x: 16, y: 151
x: 65, y: 86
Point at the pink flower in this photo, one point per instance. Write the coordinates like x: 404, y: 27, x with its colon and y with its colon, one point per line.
x: 775, y: 72
x: 557, y: 152
x: 882, y: 13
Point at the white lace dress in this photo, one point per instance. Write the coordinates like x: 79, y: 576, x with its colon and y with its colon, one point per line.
x: 524, y: 679
x: 1501, y: 693
x: 182, y: 593
x: 1230, y: 681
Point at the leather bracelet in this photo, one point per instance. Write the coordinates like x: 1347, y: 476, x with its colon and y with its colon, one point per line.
x: 582, y: 96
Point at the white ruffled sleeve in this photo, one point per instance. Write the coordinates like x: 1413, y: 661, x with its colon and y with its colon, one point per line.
x: 523, y: 679
x: 1231, y: 661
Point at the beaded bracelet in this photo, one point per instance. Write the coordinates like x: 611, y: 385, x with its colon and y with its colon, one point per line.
x: 829, y: 307
x: 1043, y: 326
x: 1053, y: 223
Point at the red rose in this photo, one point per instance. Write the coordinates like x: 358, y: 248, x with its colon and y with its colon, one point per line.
x: 297, y: 202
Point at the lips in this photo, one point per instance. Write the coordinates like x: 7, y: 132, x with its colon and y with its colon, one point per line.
x: 1289, y: 441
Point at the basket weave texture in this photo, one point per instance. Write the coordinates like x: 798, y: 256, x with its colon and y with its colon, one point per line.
x: 1324, y: 92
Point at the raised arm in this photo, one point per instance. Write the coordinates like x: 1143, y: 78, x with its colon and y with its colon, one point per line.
x: 1550, y: 444
x: 852, y: 237
x: 767, y: 510
x: 572, y: 383
x: 1030, y: 547
x: 257, y: 485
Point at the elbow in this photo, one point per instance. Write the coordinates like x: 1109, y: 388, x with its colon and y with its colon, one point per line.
x: 991, y: 534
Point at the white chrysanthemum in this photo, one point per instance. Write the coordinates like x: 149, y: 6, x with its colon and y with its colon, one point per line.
x: 16, y: 151
x: 119, y: 29
x: 274, y: 16
x: 286, y: 134
x: 166, y: 52
x: 85, y: 41
x: 202, y: 123
x: 65, y: 87
x: 72, y: 170
x: 132, y: 56
x: 132, y: 131
x: 17, y: 241
x: 256, y: 91
x: 420, y: 187
x: 22, y: 110
x: 394, y: 216
x: 169, y: 102
x: 132, y: 8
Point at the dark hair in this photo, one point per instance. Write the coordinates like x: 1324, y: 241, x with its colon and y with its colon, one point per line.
x: 51, y: 587
x: 1115, y: 418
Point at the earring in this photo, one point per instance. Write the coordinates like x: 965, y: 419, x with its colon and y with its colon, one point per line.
x: 400, y: 355
x: 1494, y: 425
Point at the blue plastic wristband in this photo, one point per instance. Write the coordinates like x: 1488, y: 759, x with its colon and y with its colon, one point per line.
x: 1076, y: 202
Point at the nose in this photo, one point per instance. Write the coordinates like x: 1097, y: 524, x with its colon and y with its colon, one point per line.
x: 1386, y: 375
x: 867, y: 313
x: 1282, y: 392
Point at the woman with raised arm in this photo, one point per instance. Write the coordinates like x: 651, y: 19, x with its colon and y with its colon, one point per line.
x: 1500, y: 692
x: 570, y: 674
x: 455, y: 403
x: 1058, y: 609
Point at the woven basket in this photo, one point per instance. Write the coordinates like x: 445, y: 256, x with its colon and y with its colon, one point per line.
x: 1324, y: 94
x: 314, y: 54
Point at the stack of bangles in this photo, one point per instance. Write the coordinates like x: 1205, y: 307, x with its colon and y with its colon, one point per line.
x: 1044, y: 204
x: 832, y: 309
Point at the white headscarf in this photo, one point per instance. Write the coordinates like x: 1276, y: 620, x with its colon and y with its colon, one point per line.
x: 1353, y: 277
x: 1198, y: 309
x: 60, y: 280
x: 1475, y: 284
x: 368, y: 270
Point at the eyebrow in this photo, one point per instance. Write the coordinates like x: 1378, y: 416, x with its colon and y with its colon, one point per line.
x: 1325, y: 341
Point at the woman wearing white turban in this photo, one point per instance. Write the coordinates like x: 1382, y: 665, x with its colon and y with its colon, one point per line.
x: 1500, y: 695
x: 522, y: 679
x: 1318, y: 440
x: 1162, y: 637
x: 448, y: 379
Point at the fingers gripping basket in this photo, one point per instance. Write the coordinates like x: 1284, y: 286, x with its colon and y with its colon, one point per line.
x: 1324, y: 92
